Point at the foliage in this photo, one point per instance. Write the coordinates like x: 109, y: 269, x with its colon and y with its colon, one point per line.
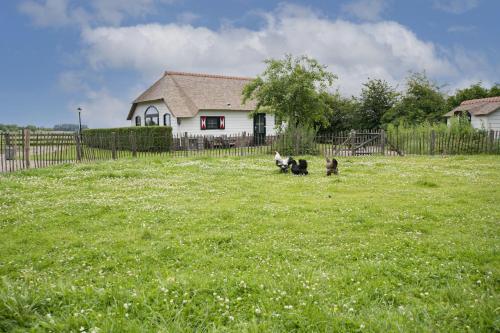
x: 15, y: 128
x: 457, y: 138
x: 474, y: 91
x: 293, y: 89
x: 344, y: 115
x: 231, y: 245
x: 377, y: 97
x: 421, y: 102
x: 69, y: 127
x: 297, y: 140
x: 147, y: 138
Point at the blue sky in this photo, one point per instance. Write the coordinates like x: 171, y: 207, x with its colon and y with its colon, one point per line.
x: 100, y: 54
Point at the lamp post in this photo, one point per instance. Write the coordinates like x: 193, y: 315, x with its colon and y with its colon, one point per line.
x: 79, y: 122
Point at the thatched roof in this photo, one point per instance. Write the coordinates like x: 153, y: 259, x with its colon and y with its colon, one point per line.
x: 187, y: 93
x: 477, y: 107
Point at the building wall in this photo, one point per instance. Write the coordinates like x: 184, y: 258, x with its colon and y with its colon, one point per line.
x: 162, y: 109
x: 480, y: 122
x: 494, y: 121
x: 236, y: 122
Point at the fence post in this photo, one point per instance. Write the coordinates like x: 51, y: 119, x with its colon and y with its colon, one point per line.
x: 26, y: 135
x: 433, y: 142
x: 491, y: 141
x: 353, y: 142
x: 382, y: 141
x: 78, y: 147
x: 133, y: 144
x: 113, y: 145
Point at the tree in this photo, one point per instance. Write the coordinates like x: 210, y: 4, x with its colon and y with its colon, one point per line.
x: 68, y: 127
x: 377, y: 97
x: 476, y: 90
x: 294, y: 89
x: 422, y: 101
x: 495, y: 90
x: 344, y: 115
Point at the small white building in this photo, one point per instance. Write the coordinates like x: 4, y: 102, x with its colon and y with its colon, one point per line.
x: 199, y: 104
x: 483, y: 113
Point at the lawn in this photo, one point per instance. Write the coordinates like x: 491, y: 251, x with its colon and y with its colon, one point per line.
x: 406, y: 244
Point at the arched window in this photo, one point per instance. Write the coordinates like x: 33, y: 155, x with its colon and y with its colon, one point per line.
x: 137, y: 121
x: 469, y: 117
x: 151, y: 116
x: 166, y: 120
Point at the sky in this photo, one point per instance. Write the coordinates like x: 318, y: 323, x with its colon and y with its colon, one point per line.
x: 58, y: 55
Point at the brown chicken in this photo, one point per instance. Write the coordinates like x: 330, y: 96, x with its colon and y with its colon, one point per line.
x: 332, y: 166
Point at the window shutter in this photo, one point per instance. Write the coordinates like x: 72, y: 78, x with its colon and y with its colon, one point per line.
x: 203, y: 122
x: 222, y: 122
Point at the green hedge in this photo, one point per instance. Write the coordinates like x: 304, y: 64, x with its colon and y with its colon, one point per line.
x: 148, y: 138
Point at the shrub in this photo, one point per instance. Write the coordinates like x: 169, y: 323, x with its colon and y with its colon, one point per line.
x: 149, y: 138
x: 457, y: 138
x: 297, y: 140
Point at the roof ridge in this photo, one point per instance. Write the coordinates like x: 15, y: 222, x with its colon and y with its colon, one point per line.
x: 213, y: 76
x: 481, y: 100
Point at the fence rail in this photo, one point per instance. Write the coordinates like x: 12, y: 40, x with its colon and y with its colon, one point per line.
x: 24, y: 150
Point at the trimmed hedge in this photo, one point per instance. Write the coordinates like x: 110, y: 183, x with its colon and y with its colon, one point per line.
x: 148, y: 138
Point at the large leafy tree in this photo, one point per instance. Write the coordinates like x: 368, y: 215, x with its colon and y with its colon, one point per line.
x: 422, y: 101
x: 377, y: 97
x: 344, y: 114
x: 294, y: 89
x: 474, y: 91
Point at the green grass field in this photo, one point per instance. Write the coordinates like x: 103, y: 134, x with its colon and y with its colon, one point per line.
x: 405, y: 244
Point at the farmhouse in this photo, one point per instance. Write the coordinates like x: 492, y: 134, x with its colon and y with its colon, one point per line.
x: 199, y: 104
x: 483, y: 113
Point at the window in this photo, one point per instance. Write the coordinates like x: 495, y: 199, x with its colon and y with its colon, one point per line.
x: 210, y: 123
x: 151, y: 116
x: 462, y: 116
x: 137, y: 121
x: 166, y: 120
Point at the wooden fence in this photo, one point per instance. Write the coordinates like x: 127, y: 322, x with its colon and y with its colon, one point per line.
x: 24, y: 150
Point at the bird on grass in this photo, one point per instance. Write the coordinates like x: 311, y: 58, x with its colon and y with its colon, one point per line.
x: 281, y: 162
x: 331, y: 166
x: 300, y: 168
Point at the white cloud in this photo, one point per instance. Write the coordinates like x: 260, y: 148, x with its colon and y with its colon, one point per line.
x: 102, y: 109
x: 56, y: 13
x: 73, y: 81
x: 48, y: 13
x: 354, y: 51
x: 367, y: 10
x: 456, y: 6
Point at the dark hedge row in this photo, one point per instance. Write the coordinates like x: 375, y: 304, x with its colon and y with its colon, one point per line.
x: 149, y: 138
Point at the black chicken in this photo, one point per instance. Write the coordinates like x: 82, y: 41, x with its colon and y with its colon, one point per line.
x: 298, y: 169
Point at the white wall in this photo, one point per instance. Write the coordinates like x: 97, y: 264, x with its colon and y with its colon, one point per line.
x: 162, y: 109
x: 494, y: 121
x: 479, y: 122
x: 236, y: 122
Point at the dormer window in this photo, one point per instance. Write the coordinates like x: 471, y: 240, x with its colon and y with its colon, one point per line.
x: 151, y: 116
